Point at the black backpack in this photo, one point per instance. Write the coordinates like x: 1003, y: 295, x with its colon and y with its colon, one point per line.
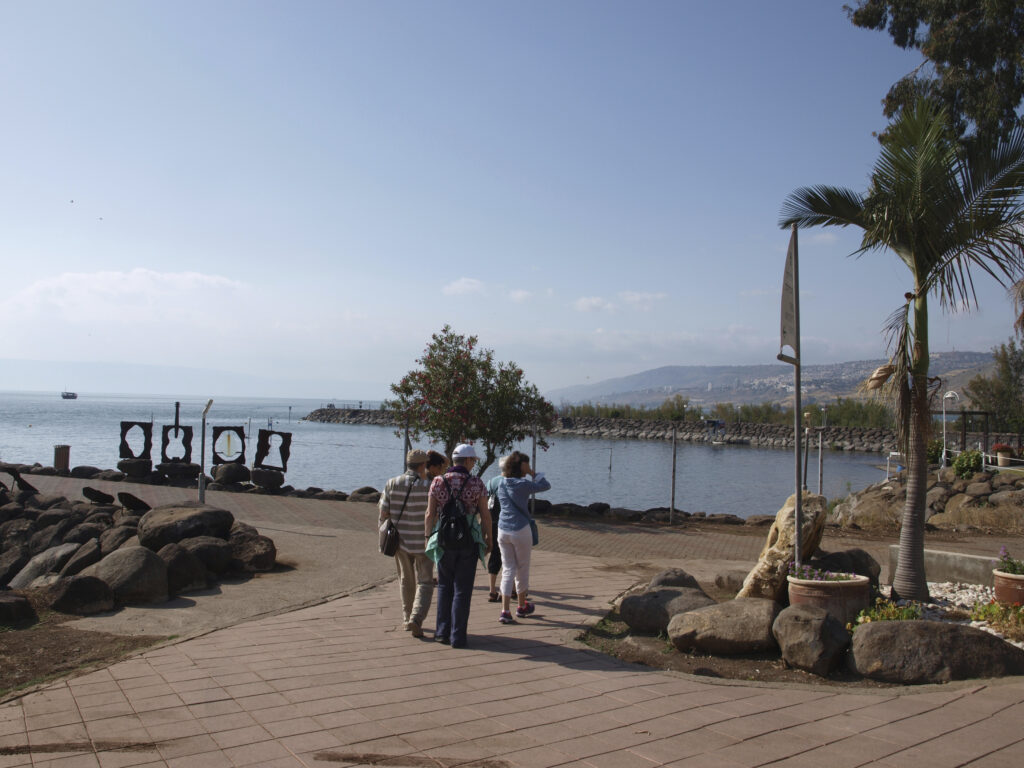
x: 453, y: 524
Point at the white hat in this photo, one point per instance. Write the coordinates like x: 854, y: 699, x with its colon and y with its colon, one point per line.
x: 464, y: 451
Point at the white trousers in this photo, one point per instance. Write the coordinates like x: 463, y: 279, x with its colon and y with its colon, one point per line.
x: 515, y: 549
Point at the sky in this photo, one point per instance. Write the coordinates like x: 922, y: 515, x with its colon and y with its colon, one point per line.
x: 288, y: 198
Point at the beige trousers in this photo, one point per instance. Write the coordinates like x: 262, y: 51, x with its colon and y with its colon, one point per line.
x: 416, y: 582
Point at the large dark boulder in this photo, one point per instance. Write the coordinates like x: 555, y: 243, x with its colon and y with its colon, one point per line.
x: 652, y: 610
x: 268, y: 479
x: 172, y: 523
x: 365, y: 494
x: 15, y: 608
x: 673, y: 577
x: 214, y: 553
x: 87, y: 554
x: 743, y: 625
x: 16, y: 532
x: 44, y: 500
x: 81, y: 596
x: 810, y: 638
x: 48, y: 537
x: 10, y: 510
x: 112, y: 538
x: 185, y: 571
x: 85, y: 472
x: 56, y: 515
x: 252, y: 553
x: 12, y: 561
x: 910, y: 652
x: 231, y: 473
x: 83, y: 532
x: 137, y: 575
x: 51, y: 560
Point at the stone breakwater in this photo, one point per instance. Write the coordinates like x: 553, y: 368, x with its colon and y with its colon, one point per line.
x: 762, y: 435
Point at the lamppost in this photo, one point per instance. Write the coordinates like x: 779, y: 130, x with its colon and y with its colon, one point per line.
x: 956, y: 397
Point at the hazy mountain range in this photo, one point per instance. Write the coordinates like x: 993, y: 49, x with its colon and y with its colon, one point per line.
x: 759, y: 383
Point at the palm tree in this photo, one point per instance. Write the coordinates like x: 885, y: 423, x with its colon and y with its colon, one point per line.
x: 943, y: 209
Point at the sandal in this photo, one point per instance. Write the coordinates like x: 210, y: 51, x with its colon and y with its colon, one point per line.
x: 493, y: 597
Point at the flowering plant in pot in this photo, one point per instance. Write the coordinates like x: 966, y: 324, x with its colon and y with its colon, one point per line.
x: 1003, y: 448
x: 1008, y: 578
x: 843, y: 595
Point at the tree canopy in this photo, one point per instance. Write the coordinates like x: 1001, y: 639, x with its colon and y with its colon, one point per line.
x: 1002, y: 393
x: 974, y: 58
x: 460, y: 394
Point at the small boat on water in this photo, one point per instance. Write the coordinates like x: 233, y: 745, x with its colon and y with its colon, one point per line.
x: 69, y: 395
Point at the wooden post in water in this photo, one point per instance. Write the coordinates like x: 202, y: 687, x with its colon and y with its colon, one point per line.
x: 672, y: 502
x: 610, y: 451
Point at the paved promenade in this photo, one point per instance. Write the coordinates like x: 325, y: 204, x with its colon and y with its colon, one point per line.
x: 339, y: 683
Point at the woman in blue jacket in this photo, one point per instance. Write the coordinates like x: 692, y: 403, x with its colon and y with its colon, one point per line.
x: 514, y: 536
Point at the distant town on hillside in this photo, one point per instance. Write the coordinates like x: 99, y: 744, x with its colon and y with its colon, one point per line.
x: 759, y: 383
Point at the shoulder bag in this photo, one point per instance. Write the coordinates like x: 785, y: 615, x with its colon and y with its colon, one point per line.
x: 388, y: 533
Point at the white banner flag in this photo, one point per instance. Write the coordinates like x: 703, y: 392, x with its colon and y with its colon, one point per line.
x: 790, y: 328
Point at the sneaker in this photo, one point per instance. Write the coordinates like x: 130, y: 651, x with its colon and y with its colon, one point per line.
x: 442, y: 639
x: 506, y: 618
x: 524, y: 610
x: 415, y: 628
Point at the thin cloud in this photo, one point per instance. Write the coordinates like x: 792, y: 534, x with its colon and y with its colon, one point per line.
x: 642, y: 301
x: 592, y: 304
x: 520, y: 296
x: 463, y: 287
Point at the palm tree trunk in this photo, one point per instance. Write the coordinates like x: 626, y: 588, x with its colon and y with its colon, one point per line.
x: 909, y: 580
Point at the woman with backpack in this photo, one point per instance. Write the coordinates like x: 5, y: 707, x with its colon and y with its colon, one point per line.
x: 515, y: 532
x: 458, y: 526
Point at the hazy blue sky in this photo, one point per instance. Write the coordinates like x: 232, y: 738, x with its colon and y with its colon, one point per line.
x: 297, y: 194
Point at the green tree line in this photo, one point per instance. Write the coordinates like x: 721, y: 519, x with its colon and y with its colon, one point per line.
x: 841, y: 412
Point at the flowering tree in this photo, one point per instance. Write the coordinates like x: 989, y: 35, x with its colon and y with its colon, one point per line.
x: 459, y: 394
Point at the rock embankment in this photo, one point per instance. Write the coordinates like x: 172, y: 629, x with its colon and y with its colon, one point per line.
x: 87, y: 557
x: 990, y: 500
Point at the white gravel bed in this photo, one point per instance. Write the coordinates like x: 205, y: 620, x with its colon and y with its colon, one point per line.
x: 947, y: 597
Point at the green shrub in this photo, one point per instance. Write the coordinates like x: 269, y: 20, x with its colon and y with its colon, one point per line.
x: 967, y: 463
x: 886, y: 610
x: 934, y: 451
x: 1006, y: 619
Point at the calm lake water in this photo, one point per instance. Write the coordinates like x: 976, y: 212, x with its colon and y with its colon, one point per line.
x: 741, y: 480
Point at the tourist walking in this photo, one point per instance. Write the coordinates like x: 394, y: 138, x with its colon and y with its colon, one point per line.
x: 494, y: 558
x: 404, y: 500
x: 515, y: 532
x: 437, y: 464
x: 456, y: 567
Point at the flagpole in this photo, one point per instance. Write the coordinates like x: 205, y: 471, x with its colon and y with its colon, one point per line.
x: 790, y: 336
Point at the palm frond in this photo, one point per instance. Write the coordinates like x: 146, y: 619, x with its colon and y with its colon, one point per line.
x: 822, y: 206
x: 899, y: 341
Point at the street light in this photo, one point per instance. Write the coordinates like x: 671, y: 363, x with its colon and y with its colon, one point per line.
x: 956, y: 397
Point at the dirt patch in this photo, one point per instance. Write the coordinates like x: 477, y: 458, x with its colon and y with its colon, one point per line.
x: 613, y: 637
x: 34, y: 652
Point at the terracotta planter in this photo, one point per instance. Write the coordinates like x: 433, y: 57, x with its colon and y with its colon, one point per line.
x: 843, y: 599
x: 1009, y: 587
x: 1003, y: 459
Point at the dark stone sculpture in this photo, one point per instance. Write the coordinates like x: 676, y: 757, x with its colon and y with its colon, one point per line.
x: 263, y: 448
x: 147, y: 433
x: 217, y: 432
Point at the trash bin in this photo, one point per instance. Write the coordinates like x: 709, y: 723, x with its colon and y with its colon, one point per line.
x: 62, y: 458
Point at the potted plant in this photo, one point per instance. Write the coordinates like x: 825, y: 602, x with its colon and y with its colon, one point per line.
x: 844, y: 595
x: 1004, y: 453
x: 1008, y: 579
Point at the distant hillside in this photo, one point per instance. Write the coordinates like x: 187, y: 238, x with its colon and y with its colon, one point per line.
x: 758, y: 383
